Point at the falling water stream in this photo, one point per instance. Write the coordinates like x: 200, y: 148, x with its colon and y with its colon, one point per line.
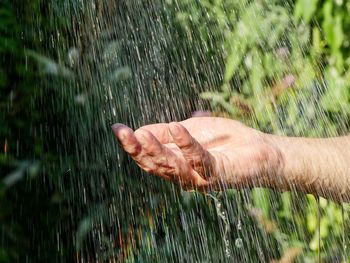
x: 141, y: 62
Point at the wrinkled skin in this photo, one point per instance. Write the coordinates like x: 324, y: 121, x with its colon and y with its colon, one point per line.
x: 203, y: 153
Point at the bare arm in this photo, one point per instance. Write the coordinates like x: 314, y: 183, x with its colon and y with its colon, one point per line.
x: 317, y: 166
x: 216, y: 153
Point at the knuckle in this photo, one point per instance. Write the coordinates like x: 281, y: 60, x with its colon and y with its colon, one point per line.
x: 143, y: 133
x: 170, y: 171
x: 148, y: 170
x: 134, y: 150
x: 160, y: 160
x: 196, y: 160
x: 187, y: 144
x: 148, y: 135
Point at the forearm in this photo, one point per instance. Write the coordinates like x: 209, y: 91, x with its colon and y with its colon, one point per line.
x: 317, y: 166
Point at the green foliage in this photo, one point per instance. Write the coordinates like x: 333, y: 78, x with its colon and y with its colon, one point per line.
x: 74, y: 68
x: 28, y: 206
x: 284, y: 75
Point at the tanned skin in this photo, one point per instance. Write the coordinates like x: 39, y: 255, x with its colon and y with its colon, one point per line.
x: 208, y: 153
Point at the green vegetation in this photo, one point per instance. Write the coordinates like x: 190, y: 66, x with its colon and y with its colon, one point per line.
x: 69, y: 70
x: 286, y: 75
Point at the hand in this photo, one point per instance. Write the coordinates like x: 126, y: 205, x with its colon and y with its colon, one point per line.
x: 203, y: 152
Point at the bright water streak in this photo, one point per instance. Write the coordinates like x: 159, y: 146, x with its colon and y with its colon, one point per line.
x: 140, y: 62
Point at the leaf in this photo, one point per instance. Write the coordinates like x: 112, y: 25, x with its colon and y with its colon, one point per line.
x: 234, y: 59
x: 219, y: 99
x: 336, y: 97
x: 317, y: 44
x: 49, y: 66
x: 122, y: 73
x: 84, y: 228
x: 305, y: 9
x: 261, y: 199
x: 328, y: 22
x: 16, y: 175
x: 338, y: 32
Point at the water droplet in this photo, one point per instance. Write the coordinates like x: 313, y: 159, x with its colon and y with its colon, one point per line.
x: 239, y: 242
x: 239, y: 225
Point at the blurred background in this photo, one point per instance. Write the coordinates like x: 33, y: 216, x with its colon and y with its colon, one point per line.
x: 70, y: 69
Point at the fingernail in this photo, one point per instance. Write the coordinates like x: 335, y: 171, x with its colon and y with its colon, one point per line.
x: 114, y: 128
x: 118, y: 134
x: 174, y: 129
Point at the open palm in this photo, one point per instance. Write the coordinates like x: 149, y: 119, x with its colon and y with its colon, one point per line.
x: 202, y: 152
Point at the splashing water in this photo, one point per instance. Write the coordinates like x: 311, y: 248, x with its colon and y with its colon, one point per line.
x: 141, y: 62
x: 239, y: 242
x: 221, y: 213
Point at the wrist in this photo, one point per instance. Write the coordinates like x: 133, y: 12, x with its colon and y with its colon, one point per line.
x: 281, y: 172
x: 317, y: 166
x: 298, y: 163
x: 312, y: 165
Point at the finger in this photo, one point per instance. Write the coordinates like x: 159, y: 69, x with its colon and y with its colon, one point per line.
x: 163, y: 162
x: 127, y: 139
x: 196, y: 181
x: 183, y: 139
x: 156, y: 158
x: 200, y: 159
x: 150, y: 144
x: 160, y: 131
x: 188, y: 145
